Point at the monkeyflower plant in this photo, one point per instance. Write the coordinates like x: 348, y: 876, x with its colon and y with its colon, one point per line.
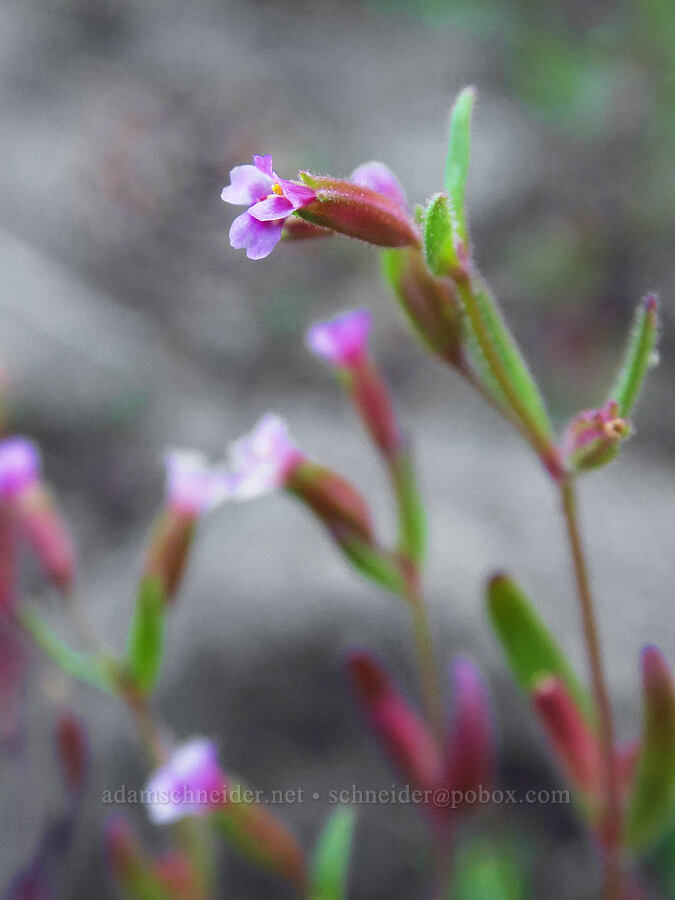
x: 444, y: 753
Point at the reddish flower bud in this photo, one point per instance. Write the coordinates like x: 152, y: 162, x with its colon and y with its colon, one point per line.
x: 73, y: 749
x: 359, y: 212
x: 8, y: 558
x: 168, y: 549
x: 576, y: 748
x: 43, y: 525
x: 333, y: 499
x: 297, y: 229
x: 470, y: 754
x: 401, y: 733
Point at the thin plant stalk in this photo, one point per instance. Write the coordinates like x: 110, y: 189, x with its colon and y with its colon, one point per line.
x: 612, y: 812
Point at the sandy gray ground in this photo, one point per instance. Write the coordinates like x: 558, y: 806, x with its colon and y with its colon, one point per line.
x: 128, y: 325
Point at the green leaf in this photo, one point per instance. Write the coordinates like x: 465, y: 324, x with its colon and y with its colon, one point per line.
x: 530, y: 648
x: 373, y: 562
x: 439, y: 245
x: 145, y: 640
x: 330, y: 865
x: 412, y: 516
x: 638, y: 356
x: 457, y: 162
x: 484, y: 871
x: 651, y: 807
x: 495, y: 338
x: 93, y: 670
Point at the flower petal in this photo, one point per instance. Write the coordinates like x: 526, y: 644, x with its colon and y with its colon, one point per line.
x: 271, y: 208
x: 247, y: 185
x: 378, y: 177
x: 299, y: 194
x: 264, y: 164
x: 257, y: 238
x: 343, y: 339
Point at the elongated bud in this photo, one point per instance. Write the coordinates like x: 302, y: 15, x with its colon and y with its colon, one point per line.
x: 576, y: 748
x: 22, y: 489
x: 176, y: 874
x: 343, y: 342
x: 359, y: 212
x: 131, y: 868
x: 470, y: 754
x: 297, y: 229
x: 333, y: 499
x: 627, y: 756
x: 73, y: 750
x: 399, y: 730
x: 8, y: 562
x: 260, y: 836
x: 430, y: 303
x: 593, y: 437
x: 639, y: 356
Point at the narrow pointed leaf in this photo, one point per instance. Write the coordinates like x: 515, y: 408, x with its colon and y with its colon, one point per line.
x: 330, y: 865
x: 651, y: 807
x: 90, y: 669
x: 372, y: 562
x: 638, y: 356
x: 485, y: 871
x: 145, y: 640
x: 531, y: 650
x: 457, y: 162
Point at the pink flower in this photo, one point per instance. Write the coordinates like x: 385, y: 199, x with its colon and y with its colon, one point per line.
x: 190, y: 783
x: 263, y: 460
x: 593, y: 436
x: 343, y: 340
x: 271, y: 200
x: 378, y: 177
x: 192, y: 485
x: 19, y: 466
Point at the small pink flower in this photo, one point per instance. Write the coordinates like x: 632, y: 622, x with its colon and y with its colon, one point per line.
x: 263, y: 460
x: 593, y: 436
x: 342, y: 340
x: 190, y: 783
x: 19, y: 466
x: 193, y: 486
x: 379, y: 177
x: 271, y: 200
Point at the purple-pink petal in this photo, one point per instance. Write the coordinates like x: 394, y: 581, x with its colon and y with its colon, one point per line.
x: 298, y: 194
x: 190, y: 783
x: 343, y: 339
x: 19, y: 466
x: 257, y: 238
x: 247, y: 185
x: 264, y: 164
x: 272, y: 208
x: 378, y: 177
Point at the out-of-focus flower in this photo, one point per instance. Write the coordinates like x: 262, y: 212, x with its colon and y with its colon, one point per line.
x: 343, y: 340
x: 593, y: 436
x: 193, y: 487
x: 13, y: 667
x: 190, y: 783
x: 73, y: 748
x: 271, y: 200
x: 263, y: 460
x: 22, y: 489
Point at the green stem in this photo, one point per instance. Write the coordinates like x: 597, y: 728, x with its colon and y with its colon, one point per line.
x: 430, y: 686
x: 612, y: 814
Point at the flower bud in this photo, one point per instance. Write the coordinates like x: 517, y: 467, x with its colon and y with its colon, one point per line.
x: 593, y: 437
x: 430, y: 303
x: 576, y: 748
x: 359, y: 212
x: 8, y: 562
x: 470, y: 754
x: 333, y: 499
x: 401, y: 733
x: 343, y: 342
x: 22, y: 489
x: 73, y: 749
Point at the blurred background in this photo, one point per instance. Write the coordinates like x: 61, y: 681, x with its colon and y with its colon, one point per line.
x: 127, y: 324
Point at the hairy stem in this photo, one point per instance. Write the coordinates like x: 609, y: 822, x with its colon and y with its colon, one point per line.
x: 612, y: 811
